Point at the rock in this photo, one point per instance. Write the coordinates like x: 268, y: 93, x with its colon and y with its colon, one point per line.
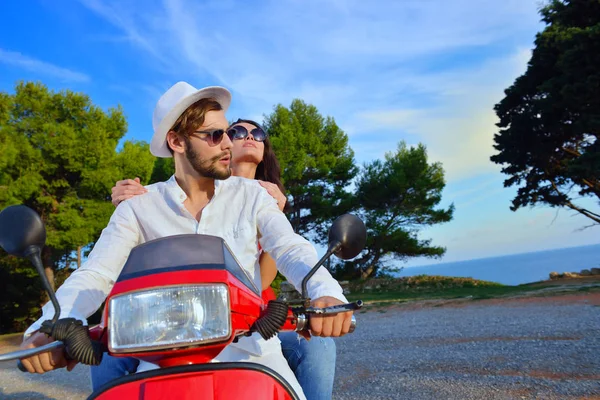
x: 585, y: 272
x: 554, y: 275
x: 595, y: 271
x: 571, y: 275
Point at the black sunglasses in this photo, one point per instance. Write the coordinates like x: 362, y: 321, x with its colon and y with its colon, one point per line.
x: 240, y: 132
x: 214, y: 137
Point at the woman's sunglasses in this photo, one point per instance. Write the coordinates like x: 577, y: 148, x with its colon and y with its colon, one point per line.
x: 239, y: 132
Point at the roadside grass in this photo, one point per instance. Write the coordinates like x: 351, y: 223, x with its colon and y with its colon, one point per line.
x: 428, y: 288
x: 428, y: 294
x: 11, y: 339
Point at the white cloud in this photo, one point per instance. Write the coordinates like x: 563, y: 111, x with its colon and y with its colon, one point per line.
x: 123, y: 18
x: 459, y: 129
x: 280, y: 41
x: 33, y: 65
x: 370, y: 65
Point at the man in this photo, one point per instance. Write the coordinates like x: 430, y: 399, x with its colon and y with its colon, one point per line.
x: 201, y: 198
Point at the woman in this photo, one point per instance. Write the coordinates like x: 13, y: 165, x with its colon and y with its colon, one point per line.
x: 313, y: 362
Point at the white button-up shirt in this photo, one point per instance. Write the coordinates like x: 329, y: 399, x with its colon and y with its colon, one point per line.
x: 240, y: 212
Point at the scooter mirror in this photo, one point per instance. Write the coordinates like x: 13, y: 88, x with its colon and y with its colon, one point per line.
x: 20, y: 229
x: 350, y: 233
x: 347, y: 238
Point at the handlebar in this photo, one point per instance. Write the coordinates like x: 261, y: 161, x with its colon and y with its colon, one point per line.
x: 303, y: 318
x: 72, y: 335
x: 302, y: 323
x: 16, y: 355
x: 19, y: 354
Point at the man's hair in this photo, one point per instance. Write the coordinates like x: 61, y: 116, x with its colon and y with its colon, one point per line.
x: 193, y: 117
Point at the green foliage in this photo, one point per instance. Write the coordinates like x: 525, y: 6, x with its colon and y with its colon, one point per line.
x: 135, y: 160
x: 317, y: 165
x: 396, y: 198
x: 425, y: 287
x: 276, y: 284
x: 163, y: 169
x: 58, y: 155
x: 550, y: 117
x: 20, y: 294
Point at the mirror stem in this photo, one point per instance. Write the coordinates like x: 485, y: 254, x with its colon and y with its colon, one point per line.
x: 33, y: 253
x: 332, y: 249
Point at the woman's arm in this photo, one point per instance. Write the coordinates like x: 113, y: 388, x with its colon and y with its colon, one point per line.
x: 268, y: 270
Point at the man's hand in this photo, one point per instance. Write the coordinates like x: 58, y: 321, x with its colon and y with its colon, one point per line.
x: 331, y: 325
x: 47, y: 361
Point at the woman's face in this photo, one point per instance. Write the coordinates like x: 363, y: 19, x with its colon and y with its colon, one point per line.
x: 247, y: 149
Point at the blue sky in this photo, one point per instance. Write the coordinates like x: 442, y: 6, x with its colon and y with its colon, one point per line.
x: 420, y: 71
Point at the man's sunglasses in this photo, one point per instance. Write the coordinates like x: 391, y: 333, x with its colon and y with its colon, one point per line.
x: 212, y: 137
x: 239, y: 132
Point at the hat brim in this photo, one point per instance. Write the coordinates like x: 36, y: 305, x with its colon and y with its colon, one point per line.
x: 158, y: 145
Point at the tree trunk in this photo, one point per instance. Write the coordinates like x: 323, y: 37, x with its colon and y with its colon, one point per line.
x: 371, y: 269
x: 367, y: 272
x: 50, y: 275
x: 78, y: 257
x: 47, y: 263
x: 591, y: 215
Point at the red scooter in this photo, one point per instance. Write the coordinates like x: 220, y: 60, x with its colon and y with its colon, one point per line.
x: 178, y: 302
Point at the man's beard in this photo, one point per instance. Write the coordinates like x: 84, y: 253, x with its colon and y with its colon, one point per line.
x: 207, y: 168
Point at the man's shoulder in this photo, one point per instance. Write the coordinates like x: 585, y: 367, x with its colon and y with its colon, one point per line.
x: 157, y: 187
x: 237, y: 183
x: 155, y: 191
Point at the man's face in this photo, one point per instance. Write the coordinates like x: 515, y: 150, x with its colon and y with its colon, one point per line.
x: 210, y: 155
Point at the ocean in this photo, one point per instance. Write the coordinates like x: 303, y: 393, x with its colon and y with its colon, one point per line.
x: 516, y: 269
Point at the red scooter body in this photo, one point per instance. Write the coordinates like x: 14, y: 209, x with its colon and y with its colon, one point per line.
x: 187, y: 372
x: 211, y: 381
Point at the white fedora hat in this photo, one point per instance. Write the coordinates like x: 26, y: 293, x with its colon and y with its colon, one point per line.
x: 172, y: 104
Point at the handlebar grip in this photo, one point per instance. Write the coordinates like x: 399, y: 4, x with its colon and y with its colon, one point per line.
x: 21, y: 366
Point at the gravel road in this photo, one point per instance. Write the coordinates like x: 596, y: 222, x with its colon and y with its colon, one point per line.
x: 492, y: 349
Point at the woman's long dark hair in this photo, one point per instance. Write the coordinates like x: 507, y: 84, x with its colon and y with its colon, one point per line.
x: 268, y: 169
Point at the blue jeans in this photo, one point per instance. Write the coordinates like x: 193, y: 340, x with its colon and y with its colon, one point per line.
x: 112, y: 368
x: 313, y: 363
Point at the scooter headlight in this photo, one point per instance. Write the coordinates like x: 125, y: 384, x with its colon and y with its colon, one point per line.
x: 169, y: 317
